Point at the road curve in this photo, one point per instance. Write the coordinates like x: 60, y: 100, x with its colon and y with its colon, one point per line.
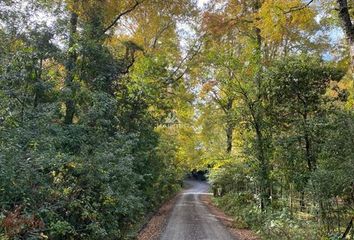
x: 191, y: 220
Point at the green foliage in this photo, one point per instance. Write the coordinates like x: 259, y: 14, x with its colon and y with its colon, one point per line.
x: 310, y: 152
x: 101, y: 114
x: 239, y: 206
x: 281, y: 225
x: 97, y: 176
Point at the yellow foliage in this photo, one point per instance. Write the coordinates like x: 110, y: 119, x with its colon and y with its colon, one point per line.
x: 276, y: 20
x: 110, y: 8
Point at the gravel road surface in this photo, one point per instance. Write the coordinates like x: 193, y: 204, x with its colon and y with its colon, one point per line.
x: 191, y: 220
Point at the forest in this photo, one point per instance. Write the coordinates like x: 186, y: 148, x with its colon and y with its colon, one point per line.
x: 106, y: 105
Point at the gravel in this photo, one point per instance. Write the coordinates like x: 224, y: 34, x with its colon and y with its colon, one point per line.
x: 191, y: 215
x: 192, y: 220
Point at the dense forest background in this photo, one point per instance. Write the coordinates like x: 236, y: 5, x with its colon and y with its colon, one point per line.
x: 105, y: 105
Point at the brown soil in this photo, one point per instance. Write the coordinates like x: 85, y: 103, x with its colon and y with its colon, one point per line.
x: 157, y: 223
x: 240, y: 234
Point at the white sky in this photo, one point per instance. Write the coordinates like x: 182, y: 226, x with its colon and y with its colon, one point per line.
x: 202, y: 2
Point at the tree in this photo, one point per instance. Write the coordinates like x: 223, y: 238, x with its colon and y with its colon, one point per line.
x: 297, y: 87
x: 348, y: 27
x: 71, y: 65
x: 81, y: 105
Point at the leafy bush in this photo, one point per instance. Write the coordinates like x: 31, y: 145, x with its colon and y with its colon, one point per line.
x: 280, y: 225
x: 79, y: 181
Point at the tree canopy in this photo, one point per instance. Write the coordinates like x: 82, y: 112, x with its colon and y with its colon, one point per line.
x: 105, y: 105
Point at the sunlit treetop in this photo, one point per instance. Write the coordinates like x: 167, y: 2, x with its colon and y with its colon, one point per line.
x: 276, y: 19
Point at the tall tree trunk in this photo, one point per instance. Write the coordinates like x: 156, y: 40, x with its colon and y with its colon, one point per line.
x: 302, y: 200
x: 264, y: 168
x: 258, y: 119
x: 38, y: 89
x: 229, y: 137
x: 308, y: 153
x: 230, y: 126
x: 348, y: 27
x: 70, y: 69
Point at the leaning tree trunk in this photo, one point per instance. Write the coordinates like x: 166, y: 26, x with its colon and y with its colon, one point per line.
x: 348, y: 27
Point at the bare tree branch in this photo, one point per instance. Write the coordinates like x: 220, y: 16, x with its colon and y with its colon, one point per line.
x: 219, y: 101
x: 189, y: 56
x: 298, y: 8
x: 160, y: 33
x: 119, y: 16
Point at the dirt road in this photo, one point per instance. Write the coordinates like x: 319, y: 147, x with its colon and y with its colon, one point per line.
x: 191, y: 220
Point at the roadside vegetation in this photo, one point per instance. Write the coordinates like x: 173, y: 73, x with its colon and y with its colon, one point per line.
x: 86, y: 92
x: 277, y: 112
x: 105, y: 105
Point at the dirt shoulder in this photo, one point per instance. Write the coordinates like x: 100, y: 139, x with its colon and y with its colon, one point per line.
x: 240, y: 234
x: 154, y: 228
